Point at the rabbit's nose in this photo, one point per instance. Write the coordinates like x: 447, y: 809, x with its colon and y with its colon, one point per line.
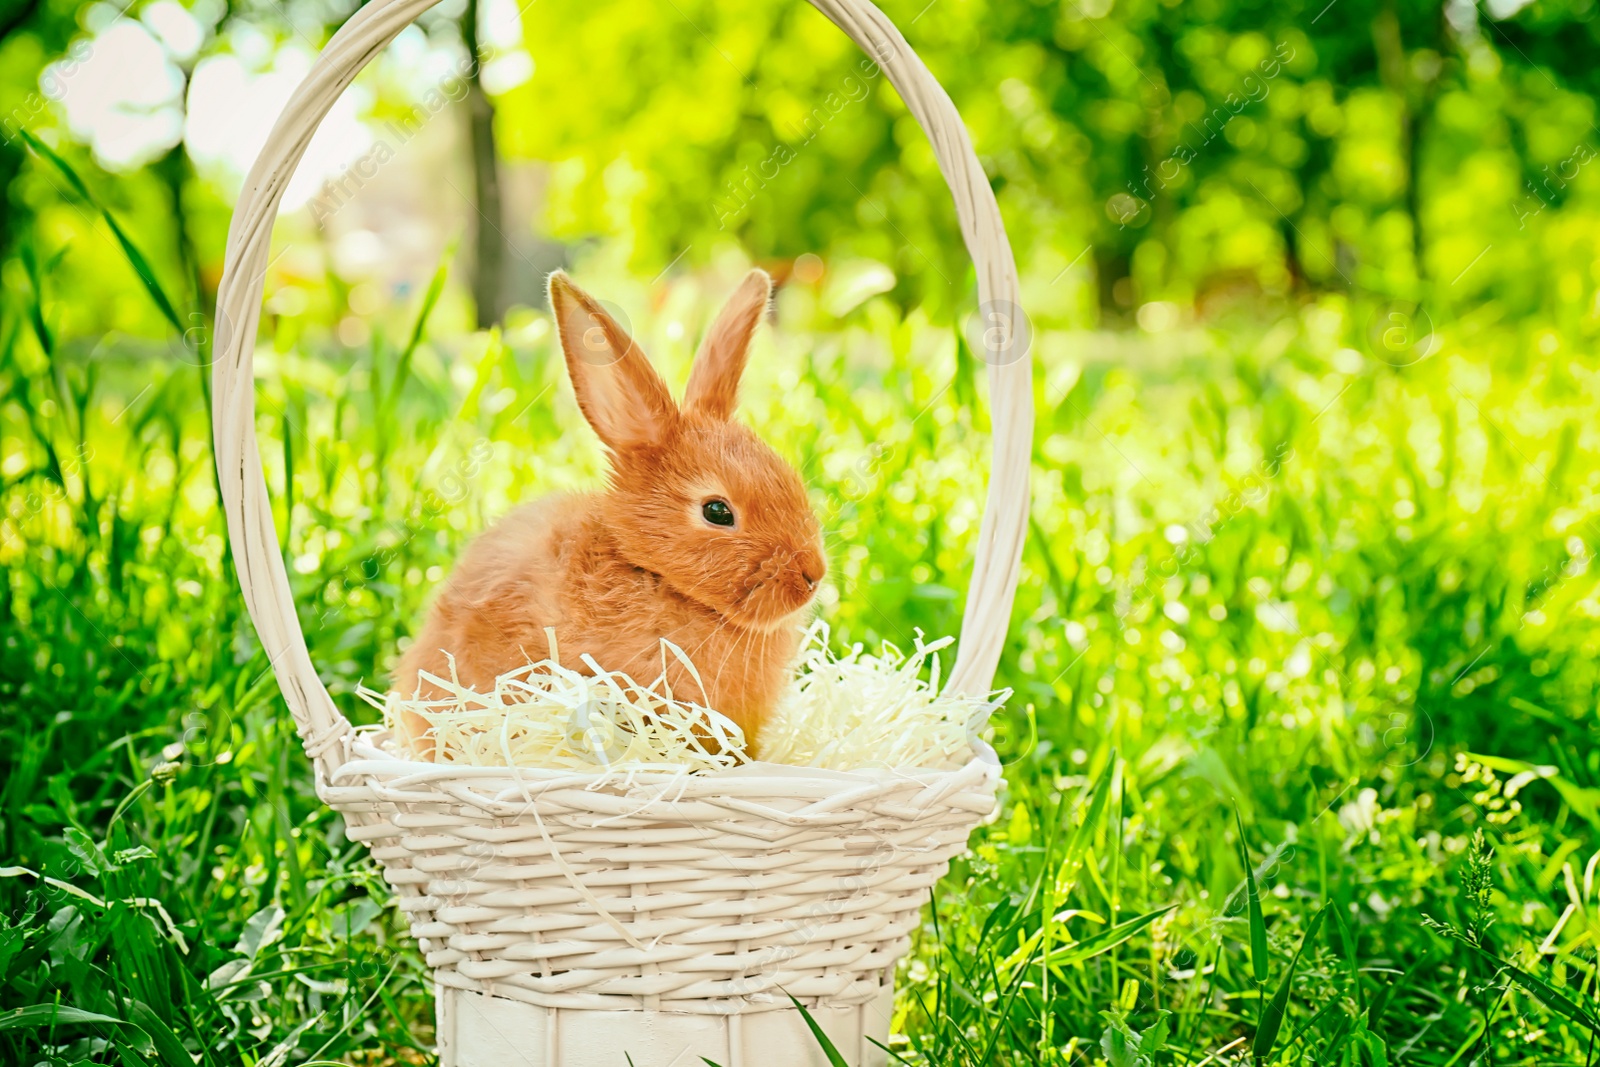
x: 813, y: 569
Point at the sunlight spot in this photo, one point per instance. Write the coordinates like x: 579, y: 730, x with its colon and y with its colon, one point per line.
x: 232, y: 108
x: 1158, y: 316
x: 505, y: 72
x: 500, y: 23
x: 178, y: 30
x: 123, y: 100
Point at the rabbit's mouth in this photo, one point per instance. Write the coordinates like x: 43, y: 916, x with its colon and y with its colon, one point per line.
x: 779, y: 590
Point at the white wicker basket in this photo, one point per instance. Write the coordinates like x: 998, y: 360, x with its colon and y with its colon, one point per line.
x: 570, y: 919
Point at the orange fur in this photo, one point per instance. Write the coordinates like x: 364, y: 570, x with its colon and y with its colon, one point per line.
x: 614, y: 572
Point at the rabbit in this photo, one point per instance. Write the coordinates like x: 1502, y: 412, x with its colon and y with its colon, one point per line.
x: 702, y: 536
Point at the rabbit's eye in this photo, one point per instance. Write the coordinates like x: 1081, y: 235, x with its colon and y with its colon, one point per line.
x: 717, y: 512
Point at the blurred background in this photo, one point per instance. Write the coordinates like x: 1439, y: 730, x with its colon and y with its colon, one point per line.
x: 1312, y: 290
x: 1192, y: 156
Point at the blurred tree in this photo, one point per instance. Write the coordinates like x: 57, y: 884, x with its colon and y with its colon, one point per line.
x: 1191, y: 146
x: 1191, y: 152
x: 33, y: 34
x: 489, y: 274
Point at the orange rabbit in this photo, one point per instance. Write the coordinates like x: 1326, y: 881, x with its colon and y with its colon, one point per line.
x: 703, y: 536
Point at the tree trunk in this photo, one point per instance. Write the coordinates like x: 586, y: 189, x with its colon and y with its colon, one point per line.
x: 489, y: 258
x: 1416, y: 96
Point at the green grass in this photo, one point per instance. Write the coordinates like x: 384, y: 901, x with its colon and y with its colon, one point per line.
x: 1301, y: 765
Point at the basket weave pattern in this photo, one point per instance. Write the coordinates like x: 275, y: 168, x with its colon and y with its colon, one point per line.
x: 713, y: 894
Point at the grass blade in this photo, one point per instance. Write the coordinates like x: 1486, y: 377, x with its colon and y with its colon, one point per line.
x: 1348, y: 945
x: 1258, y: 923
x: 1067, y: 873
x: 1106, y: 939
x: 168, y: 1045
x: 1272, y: 1018
x: 1538, y: 988
x: 136, y: 259
x: 419, y: 328
x: 834, y: 1056
x: 35, y: 307
x: 35, y: 1015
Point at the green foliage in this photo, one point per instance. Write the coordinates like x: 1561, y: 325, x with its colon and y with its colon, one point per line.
x: 1202, y: 151
x: 1125, y: 1047
x: 1259, y: 596
x: 1311, y: 552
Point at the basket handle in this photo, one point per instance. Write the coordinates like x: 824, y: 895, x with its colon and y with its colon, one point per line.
x: 251, y: 532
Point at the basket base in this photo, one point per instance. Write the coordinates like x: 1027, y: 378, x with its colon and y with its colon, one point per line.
x: 477, y: 1030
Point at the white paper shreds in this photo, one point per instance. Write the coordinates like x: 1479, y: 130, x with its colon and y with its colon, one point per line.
x: 863, y: 710
x: 842, y: 712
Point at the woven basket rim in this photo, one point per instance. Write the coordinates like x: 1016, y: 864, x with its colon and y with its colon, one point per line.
x: 368, y: 761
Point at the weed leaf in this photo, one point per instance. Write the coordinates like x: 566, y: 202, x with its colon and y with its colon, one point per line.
x: 35, y: 1015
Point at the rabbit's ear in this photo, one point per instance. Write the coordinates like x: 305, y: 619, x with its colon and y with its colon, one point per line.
x: 620, y: 394
x: 714, y: 381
